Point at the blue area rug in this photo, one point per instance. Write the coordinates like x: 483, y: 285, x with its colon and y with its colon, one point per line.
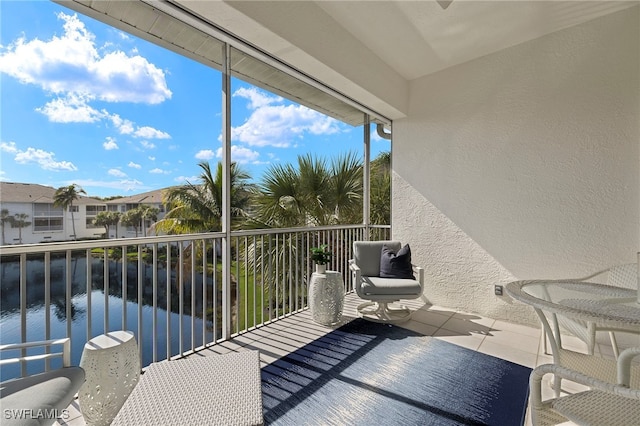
x: 367, y: 373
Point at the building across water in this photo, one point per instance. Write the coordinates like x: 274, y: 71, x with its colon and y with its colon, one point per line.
x: 29, y: 215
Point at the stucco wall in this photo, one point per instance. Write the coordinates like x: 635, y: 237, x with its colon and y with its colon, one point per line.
x: 523, y: 164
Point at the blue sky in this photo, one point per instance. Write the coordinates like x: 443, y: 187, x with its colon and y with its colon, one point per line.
x: 85, y: 103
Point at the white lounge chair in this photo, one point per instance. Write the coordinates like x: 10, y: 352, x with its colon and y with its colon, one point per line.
x: 39, y: 398
x: 399, y: 281
x: 603, y: 403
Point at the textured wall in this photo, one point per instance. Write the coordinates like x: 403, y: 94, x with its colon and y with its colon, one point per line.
x: 523, y: 164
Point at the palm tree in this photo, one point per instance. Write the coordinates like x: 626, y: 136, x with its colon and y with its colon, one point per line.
x: 5, y: 218
x: 313, y: 194
x: 198, y: 207
x: 107, y: 219
x: 64, y: 197
x: 20, y: 221
x: 132, y: 217
x: 346, y: 189
x: 381, y: 189
x: 148, y: 213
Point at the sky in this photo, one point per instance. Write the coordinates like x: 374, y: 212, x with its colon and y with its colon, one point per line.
x: 85, y: 103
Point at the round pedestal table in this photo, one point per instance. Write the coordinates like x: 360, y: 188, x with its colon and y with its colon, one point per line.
x: 326, y: 297
x: 111, y: 363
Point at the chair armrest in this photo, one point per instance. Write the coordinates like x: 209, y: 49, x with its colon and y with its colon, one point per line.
x: 577, y: 377
x: 65, y: 353
x: 624, y: 365
x: 355, y: 272
x: 420, y: 272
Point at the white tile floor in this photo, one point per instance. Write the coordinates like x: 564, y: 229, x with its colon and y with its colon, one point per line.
x: 512, y: 342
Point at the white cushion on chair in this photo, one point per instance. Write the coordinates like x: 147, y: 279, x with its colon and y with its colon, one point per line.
x: 52, y: 390
x: 391, y: 286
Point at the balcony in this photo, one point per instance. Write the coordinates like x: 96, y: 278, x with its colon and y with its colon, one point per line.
x: 512, y: 342
x: 77, y: 289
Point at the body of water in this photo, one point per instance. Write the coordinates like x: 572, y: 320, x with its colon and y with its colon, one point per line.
x: 167, y: 317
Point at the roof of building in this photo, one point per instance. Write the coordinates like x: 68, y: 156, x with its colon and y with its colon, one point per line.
x: 151, y: 197
x: 13, y: 192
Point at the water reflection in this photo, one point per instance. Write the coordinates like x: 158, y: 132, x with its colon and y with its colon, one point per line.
x: 91, y: 320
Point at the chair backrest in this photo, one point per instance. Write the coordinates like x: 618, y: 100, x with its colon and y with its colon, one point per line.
x: 366, y: 255
x: 625, y: 276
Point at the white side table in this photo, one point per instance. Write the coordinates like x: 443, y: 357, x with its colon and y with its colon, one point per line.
x: 326, y: 297
x: 112, y: 368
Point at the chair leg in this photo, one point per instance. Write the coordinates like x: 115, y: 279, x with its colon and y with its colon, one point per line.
x: 382, y: 312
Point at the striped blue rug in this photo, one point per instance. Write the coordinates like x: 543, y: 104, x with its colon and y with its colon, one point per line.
x: 376, y: 374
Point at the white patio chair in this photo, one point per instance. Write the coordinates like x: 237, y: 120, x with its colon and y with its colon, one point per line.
x: 624, y: 276
x: 43, y: 395
x: 383, y: 290
x: 603, y: 403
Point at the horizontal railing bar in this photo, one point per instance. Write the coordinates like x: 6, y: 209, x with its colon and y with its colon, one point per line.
x: 121, y: 242
x: 242, y: 233
x: 83, y: 245
x: 14, y: 346
x: 31, y: 358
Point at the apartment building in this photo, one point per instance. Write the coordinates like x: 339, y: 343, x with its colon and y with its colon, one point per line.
x: 29, y: 215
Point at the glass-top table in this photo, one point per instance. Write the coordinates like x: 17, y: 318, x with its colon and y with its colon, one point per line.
x: 610, y: 308
x: 583, y: 308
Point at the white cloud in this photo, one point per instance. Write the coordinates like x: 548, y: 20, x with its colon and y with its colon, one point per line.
x: 73, y: 64
x: 117, y: 173
x: 241, y: 155
x: 150, y: 133
x: 9, y: 147
x: 124, y: 35
x: 152, y: 158
x: 185, y: 179
x: 124, y: 126
x: 158, y: 171
x: 205, y: 154
x: 72, y: 108
x: 125, y: 185
x: 279, y: 125
x: 128, y: 127
x: 257, y: 98
x: 147, y: 145
x: 75, y: 108
x: 77, y: 71
x: 134, y: 165
x: 110, y: 144
x: 46, y: 160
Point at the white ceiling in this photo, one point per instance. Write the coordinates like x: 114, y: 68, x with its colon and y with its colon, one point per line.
x: 415, y: 37
x: 372, y: 50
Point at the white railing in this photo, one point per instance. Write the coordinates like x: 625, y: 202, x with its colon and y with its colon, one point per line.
x: 166, y: 289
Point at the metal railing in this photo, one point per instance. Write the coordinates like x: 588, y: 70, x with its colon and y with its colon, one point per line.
x: 168, y: 290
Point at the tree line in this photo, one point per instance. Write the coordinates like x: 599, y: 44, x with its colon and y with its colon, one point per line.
x: 313, y: 192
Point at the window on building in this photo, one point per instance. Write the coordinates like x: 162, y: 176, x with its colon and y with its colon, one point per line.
x: 90, y: 224
x: 47, y: 217
x: 94, y: 210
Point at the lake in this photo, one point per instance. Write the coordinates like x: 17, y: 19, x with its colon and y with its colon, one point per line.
x: 37, y: 313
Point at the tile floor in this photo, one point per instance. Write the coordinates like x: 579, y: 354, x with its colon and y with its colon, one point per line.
x: 516, y: 343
